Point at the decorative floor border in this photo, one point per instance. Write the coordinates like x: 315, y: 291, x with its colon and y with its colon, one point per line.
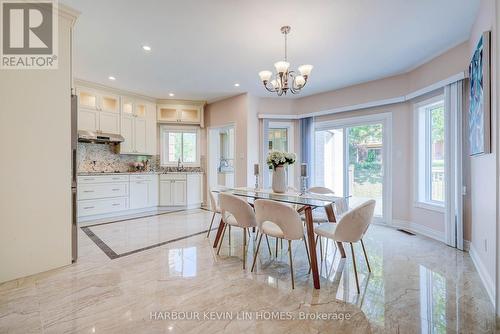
x: 113, y: 255
x: 132, y: 218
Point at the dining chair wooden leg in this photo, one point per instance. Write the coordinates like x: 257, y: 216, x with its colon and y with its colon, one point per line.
x: 221, y: 239
x: 320, y: 247
x: 256, y: 252
x: 244, y: 247
x: 229, y: 236
x: 326, y: 247
x: 248, y: 232
x: 291, y: 261
x: 256, y: 235
x: 354, y: 265
x: 366, y: 256
x: 307, y: 252
x: 276, y: 244
x: 268, y: 246
x: 211, y: 223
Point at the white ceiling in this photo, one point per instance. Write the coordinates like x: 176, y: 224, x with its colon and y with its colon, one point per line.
x: 200, y: 48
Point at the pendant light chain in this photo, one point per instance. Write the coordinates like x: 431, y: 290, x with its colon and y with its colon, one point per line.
x: 286, y: 46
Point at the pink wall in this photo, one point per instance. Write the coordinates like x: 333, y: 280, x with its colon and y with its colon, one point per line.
x: 232, y: 110
x: 483, y: 169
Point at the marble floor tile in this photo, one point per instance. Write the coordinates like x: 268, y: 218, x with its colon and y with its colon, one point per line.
x: 417, y: 285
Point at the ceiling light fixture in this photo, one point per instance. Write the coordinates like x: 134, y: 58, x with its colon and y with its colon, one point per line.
x: 280, y: 83
x: 236, y: 85
x: 146, y: 48
x: 112, y: 78
x: 171, y: 94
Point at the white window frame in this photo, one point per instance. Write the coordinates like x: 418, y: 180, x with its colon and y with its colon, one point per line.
x: 289, y: 126
x: 423, y: 155
x: 384, y: 118
x: 164, y: 149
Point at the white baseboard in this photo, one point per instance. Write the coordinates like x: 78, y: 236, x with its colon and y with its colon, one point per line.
x: 419, y: 229
x: 488, y: 282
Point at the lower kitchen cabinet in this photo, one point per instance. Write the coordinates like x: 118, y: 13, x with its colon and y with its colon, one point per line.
x: 180, y: 190
x: 143, y: 191
x: 110, y: 195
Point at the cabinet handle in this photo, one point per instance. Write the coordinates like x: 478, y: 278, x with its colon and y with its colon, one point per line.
x: 88, y: 207
x: 115, y: 204
x: 116, y: 178
x: 89, y: 179
x: 88, y: 191
x: 115, y: 189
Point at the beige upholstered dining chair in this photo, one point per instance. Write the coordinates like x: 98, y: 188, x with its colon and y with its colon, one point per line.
x: 351, y: 227
x: 236, y: 212
x: 281, y: 221
x: 319, y: 214
x: 215, y: 208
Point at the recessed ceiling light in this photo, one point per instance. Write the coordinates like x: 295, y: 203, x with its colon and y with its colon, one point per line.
x: 112, y: 78
x: 171, y: 94
x: 236, y: 85
x: 146, y: 48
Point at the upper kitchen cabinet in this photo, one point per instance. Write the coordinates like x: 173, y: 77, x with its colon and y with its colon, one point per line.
x: 98, y: 111
x: 181, y: 113
x: 138, y: 127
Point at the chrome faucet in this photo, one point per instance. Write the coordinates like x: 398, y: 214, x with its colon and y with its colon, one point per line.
x: 179, y: 166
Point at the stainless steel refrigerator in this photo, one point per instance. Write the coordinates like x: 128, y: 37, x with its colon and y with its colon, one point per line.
x: 74, y: 144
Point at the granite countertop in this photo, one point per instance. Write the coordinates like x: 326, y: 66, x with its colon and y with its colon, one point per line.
x: 130, y: 173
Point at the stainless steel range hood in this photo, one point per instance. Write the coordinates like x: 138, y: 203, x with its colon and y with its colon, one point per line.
x: 99, y: 137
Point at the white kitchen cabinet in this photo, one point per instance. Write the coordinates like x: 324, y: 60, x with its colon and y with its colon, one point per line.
x: 88, y: 120
x: 180, y: 113
x: 116, y: 194
x: 98, y: 111
x: 102, y: 194
x: 101, y: 206
x: 139, y: 194
x: 127, y: 145
x: 194, y: 191
x: 143, y: 191
x: 138, y: 127
x: 166, y: 193
x: 109, y: 122
x: 173, y: 189
x: 180, y: 190
x: 140, y: 134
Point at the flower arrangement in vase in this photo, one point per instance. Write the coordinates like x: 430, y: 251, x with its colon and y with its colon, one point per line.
x: 277, y: 161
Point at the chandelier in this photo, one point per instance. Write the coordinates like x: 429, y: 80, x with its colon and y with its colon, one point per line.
x: 285, y: 80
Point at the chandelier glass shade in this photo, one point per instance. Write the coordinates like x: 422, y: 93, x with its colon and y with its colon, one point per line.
x: 285, y: 80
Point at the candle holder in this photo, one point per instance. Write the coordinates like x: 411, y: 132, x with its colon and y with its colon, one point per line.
x: 303, y: 184
x: 256, y: 173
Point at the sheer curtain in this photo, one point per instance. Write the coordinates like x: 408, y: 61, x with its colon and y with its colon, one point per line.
x: 307, y: 147
x: 453, y: 99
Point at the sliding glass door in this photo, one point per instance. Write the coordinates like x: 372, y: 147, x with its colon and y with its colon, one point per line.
x: 350, y: 159
x: 365, y: 165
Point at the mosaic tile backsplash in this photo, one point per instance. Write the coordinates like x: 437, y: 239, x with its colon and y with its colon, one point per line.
x: 97, y: 158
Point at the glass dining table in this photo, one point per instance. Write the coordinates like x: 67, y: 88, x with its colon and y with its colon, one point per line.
x: 304, y: 202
